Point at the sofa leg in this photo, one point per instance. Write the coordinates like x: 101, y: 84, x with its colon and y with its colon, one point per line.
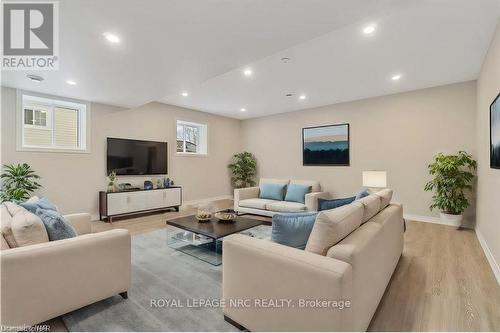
x: 124, y: 295
x: 235, y: 324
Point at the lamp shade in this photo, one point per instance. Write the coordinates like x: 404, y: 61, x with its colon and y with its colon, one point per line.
x: 374, y: 178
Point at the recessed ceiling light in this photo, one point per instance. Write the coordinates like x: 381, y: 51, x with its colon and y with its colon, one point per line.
x: 285, y: 60
x: 35, y: 78
x: 112, y: 38
x: 302, y: 97
x: 396, y: 77
x: 185, y: 94
x: 289, y: 94
x: 71, y: 82
x: 243, y: 109
x: 369, y: 29
x: 248, y: 72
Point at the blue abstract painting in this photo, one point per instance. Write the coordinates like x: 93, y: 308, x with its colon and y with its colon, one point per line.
x: 326, y: 145
x: 495, y: 133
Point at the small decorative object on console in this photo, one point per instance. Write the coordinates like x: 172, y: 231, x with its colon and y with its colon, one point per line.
x: 148, y: 185
x: 166, y: 182
x: 159, y: 183
x: 125, y: 187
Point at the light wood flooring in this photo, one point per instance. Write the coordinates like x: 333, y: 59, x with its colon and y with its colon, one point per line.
x: 442, y: 282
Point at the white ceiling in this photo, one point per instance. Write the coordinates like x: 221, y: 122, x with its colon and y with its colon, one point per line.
x: 202, y: 46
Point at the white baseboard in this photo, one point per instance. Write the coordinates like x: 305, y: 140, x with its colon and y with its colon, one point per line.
x: 489, y: 256
x: 422, y: 218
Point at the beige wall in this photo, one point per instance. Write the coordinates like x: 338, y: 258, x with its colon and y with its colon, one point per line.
x: 73, y: 180
x: 398, y: 133
x: 488, y: 210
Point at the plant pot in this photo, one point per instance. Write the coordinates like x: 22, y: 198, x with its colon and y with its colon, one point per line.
x: 451, y: 219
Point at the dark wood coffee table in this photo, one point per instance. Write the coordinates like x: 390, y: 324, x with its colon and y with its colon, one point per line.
x: 203, y: 240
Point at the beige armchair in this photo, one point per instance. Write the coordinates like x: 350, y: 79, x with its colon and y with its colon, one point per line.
x: 43, y: 281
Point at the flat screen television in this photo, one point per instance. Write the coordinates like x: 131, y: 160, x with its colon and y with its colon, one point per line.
x: 136, y: 157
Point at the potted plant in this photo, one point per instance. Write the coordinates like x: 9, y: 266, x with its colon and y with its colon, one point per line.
x: 452, y: 177
x: 18, y: 182
x: 243, y: 170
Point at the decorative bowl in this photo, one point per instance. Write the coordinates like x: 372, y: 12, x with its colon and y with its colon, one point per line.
x: 203, y: 217
x: 225, y: 216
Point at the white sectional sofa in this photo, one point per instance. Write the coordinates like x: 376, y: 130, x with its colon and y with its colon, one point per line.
x: 246, y: 200
x: 350, y: 256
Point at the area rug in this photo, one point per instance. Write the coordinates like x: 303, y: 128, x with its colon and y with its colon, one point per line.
x: 161, y: 273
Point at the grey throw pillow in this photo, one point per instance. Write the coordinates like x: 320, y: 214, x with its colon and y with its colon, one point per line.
x: 56, y: 225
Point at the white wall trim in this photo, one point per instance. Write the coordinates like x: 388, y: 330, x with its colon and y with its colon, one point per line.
x: 423, y: 218
x: 489, y: 256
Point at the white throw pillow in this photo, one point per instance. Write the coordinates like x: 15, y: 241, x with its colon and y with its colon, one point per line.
x: 27, y: 228
x: 6, y: 221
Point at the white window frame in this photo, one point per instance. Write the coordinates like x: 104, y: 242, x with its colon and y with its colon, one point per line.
x: 25, y: 99
x: 203, y: 138
x: 48, y: 117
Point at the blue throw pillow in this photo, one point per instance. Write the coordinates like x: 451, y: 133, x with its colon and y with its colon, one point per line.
x: 297, y: 192
x: 272, y: 191
x: 43, y: 203
x: 56, y: 225
x: 362, y: 194
x: 293, y: 229
x: 324, y: 204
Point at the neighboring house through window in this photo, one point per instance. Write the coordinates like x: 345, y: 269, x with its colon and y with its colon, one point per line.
x: 52, y: 124
x: 191, y: 138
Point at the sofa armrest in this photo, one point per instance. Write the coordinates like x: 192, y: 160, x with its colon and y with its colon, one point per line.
x: 81, y: 223
x: 255, y: 269
x: 312, y: 199
x: 46, y: 280
x: 245, y: 193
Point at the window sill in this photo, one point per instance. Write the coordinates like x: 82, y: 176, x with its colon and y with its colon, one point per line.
x: 191, y: 154
x: 53, y: 150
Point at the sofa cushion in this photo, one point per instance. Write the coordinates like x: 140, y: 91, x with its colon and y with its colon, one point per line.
x: 385, y: 197
x: 332, y: 226
x: 255, y: 203
x: 371, y: 205
x: 6, y: 224
x: 297, y: 192
x: 286, y: 206
x: 56, y: 225
x: 325, y: 204
x: 272, y: 191
x: 315, y: 187
x: 28, y: 229
x: 292, y: 229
